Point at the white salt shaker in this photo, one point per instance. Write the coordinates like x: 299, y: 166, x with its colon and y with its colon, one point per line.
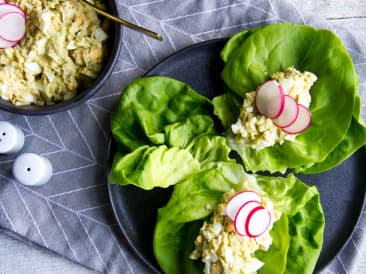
x: 32, y: 169
x: 11, y: 138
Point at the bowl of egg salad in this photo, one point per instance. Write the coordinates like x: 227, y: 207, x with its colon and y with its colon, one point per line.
x: 65, y: 56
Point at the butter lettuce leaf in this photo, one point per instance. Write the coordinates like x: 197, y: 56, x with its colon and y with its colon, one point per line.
x: 148, y: 105
x: 164, y: 132
x: 354, y: 139
x: 273, y: 48
x: 299, y: 230
x: 234, y: 44
x: 156, y: 166
x: 148, y: 167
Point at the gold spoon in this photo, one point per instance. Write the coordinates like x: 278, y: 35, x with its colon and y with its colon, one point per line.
x: 124, y: 22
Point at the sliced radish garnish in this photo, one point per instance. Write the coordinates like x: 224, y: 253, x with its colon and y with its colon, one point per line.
x: 240, y: 199
x: 269, y: 99
x: 301, y: 123
x: 289, y: 113
x: 12, y: 26
x: 7, y: 44
x: 2, y: 1
x: 7, y: 7
x: 242, y: 216
x: 258, y: 222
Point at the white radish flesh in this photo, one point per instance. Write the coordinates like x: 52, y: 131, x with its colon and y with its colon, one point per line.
x: 258, y: 222
x: 7, y: 44
x: 301, y: 123
x: 12, y: 26
x: 240, y: 199
x: 269, y: 99
x: 289, y: 113
x: 242, y: 216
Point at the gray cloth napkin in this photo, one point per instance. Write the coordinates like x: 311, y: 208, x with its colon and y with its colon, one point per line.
x: 71, y: 214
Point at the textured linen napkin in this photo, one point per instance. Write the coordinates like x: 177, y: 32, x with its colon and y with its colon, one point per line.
x: 71, y: 214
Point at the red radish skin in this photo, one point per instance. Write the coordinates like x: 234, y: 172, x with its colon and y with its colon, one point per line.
x: 8, y: 7
x: 269, y: 99
x: 258, y: 222
x: 289, y: 113
x: 12, y: 26
x: 7, y: 44
x: 301, y: 123
x: 238, y: 200
x: 242, y: 215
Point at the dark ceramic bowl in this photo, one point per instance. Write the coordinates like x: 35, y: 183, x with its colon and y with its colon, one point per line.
x: 114, y: 45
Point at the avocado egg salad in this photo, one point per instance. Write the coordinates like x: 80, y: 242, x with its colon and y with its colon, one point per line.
x: 62, y: 52
x: 291, y: 104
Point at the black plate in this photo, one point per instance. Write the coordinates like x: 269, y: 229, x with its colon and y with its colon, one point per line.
x: 342, y: 189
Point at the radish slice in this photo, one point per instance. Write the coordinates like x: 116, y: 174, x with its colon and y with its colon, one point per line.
x: 7, y: 7
x: 289, y: 113
x: 258, y: 222
x: 7, y: 44
x: 242, y: 216
x: 2, y: 1
x: 301, y: 123
x: 269, y: 99
x: 238, y: 200
x: 12, y: 26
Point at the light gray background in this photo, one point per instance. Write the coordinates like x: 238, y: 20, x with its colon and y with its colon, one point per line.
x: 18, y: 257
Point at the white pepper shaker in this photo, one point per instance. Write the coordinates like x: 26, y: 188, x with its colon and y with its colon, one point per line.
x: 32, y: 169
x: 11, y: 138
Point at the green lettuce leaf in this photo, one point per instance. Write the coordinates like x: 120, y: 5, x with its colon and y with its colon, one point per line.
x: 227, y: 108
x: 208, y: 149
x: 148, y: 167
x: 164, y: 134
x: 234, y: 44
x: 306, y: 231
x: 156, y: 166
x: 148, y: 105
x: 354, y: 139
x: 273, y: 48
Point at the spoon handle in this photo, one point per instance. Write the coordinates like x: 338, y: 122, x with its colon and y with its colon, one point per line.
x: 124, y: 22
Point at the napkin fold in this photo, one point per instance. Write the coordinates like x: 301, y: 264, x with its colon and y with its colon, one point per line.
x: 71, y: 215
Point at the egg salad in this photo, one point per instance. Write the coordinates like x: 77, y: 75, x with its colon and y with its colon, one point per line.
x: 223, y: 250
x: 62, y: 52
x: 258, y: 131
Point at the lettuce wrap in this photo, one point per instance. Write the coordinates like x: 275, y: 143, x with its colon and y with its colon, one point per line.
x: 297, y: 235
x: 252, y: 56
x: 165, y: 133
